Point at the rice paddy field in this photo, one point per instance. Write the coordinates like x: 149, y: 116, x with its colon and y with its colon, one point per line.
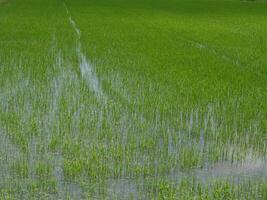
x: 133, y: 99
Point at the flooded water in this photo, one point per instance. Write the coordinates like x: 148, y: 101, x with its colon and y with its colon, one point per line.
x: 235, y: 173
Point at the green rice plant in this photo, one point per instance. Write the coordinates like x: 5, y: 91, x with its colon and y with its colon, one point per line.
x: 122, y: 99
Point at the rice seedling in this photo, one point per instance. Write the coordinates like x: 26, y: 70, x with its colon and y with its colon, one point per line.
x: 121, y: 99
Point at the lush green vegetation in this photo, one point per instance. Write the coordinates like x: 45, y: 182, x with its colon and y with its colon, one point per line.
x: 133, y: 99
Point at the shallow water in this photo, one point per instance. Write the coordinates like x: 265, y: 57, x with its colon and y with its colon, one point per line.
x: 235, y: 173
